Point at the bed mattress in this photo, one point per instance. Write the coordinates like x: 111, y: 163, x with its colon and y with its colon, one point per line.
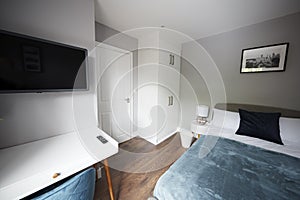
x: 221, y: 168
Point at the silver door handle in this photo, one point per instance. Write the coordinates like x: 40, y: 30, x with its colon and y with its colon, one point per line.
x: 173, y: 59
x: 127, y: 100
x: 170, y: 101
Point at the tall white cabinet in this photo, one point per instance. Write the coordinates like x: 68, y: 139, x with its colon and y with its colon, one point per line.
x: 158, y: 81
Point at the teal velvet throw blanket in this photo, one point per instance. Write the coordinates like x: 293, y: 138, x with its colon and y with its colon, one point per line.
x: 230, y: 170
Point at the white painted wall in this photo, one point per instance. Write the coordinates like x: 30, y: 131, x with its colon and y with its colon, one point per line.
x: 28, y: 117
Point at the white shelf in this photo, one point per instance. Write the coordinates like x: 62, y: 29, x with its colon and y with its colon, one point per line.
x: 27, y: 168
x: 199, y: 129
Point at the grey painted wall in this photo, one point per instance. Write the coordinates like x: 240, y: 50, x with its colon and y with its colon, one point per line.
x: 28, y: 117
x: 193, y: 91
x: 279, y: 89
x: 273, y: 88
x: 115, y: 38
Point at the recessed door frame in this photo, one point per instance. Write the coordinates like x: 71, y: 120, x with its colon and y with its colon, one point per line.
x: 99, y: 114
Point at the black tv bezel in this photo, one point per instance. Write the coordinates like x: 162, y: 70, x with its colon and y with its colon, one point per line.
x: 57, y: 44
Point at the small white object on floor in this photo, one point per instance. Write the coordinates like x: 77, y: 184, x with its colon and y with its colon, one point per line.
x: 152, y: 198
x: 186, y: 137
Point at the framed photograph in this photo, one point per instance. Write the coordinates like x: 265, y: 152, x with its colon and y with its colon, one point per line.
x: 269, y: 58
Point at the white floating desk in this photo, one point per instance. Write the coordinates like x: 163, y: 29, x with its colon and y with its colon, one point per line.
x: 27, y: 168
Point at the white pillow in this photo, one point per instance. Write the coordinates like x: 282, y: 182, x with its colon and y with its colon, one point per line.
x: 226, y: 119
x: 289, y: 129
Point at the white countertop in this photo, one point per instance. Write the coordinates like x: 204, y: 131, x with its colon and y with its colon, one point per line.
x: 27, y: 168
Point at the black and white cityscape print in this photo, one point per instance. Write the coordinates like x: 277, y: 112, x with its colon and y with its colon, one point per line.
x: 264, y: 61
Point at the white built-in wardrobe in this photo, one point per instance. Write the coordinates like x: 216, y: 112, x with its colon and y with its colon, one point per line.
x: 158, y: 84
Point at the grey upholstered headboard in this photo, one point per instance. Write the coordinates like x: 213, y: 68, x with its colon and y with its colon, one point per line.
x: 258, y: 108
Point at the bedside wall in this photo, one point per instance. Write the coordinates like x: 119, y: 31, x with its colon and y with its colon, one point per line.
x: 278, y: 89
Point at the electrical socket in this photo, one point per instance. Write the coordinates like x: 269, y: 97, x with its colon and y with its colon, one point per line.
x: 99, y: 172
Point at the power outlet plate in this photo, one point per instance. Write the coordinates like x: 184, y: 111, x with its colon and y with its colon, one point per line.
x: 99, y: 173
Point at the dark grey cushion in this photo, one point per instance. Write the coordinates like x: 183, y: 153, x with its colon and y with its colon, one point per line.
x: 260, y: 125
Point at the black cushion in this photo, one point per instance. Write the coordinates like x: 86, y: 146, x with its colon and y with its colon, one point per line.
x: 260, y: 125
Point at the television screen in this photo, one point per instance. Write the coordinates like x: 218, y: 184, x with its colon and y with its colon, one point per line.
x: 29, y: 64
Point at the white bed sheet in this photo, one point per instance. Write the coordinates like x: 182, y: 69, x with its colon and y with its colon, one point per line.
x: 291, y: 148
x: 226, y: 123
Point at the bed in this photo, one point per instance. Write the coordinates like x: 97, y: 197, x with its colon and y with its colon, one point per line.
x: 224, y: 165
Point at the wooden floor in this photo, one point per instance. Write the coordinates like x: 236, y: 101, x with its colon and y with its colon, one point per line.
x: 137, y: 167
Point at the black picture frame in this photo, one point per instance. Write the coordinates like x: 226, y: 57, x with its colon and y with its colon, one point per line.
x: 269, y: 58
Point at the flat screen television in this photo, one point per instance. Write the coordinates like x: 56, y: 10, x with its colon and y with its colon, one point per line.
x: 29, y: 64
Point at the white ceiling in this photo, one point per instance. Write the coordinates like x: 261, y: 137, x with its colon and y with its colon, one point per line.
x: 196, y: 18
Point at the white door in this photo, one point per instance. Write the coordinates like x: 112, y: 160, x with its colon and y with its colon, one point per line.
x: 114, y: 91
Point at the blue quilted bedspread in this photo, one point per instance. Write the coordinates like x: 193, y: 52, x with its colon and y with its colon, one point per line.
x: 230, y: 170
